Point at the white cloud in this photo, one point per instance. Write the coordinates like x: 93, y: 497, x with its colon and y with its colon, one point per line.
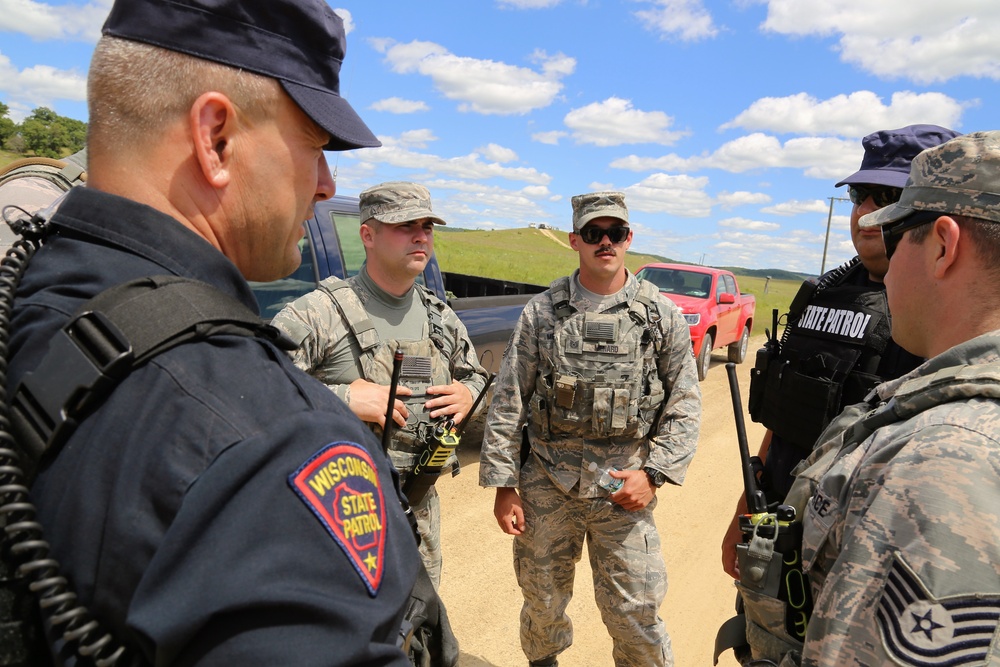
x: 853, y: 115
x: 497, y: 153
x: 345, y: 14
x: 924, y: 42
x: 478, y: 205
x: 397, y: 152
x: 60, y: 22
x: 677, y: 195
x: 614, y: 122
x: 794, y: 207
x: 550, y: 138
x: 483, y: 86
x: 794, y: 250
x: 687, y: 20
x: 752, y: 225
x: 39, y: 86
x: 741, y: 198
x: 818, y: 157
x: 416, y: 138
x: 399, y: 105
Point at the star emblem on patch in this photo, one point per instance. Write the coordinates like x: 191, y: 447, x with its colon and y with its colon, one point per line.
x: 340, y: 485
x: 919, y: 629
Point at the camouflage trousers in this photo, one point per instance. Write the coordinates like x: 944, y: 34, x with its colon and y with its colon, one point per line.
x: 630, y: 577
x: 428, y: 515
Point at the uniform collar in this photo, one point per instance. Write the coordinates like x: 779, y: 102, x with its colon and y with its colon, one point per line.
x: 144, y: 231
x: 625, y: 295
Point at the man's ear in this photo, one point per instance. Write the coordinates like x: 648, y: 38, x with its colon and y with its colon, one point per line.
x: 944, y: 237
x: 213, y: 127
x: 574, y: 241
x: 367, y: 235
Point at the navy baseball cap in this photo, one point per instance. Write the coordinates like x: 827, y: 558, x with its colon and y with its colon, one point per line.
x: 889, y: 153
x: 301, y: 43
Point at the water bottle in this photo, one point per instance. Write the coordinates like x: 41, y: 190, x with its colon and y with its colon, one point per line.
x: 604, y: 478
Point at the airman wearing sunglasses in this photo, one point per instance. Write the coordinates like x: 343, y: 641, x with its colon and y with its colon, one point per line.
x: 901, y: 533
x: 599, y: 375
x: 837, y: 344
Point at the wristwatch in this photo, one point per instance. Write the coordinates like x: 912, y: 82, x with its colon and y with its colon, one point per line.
x: 656, y: 478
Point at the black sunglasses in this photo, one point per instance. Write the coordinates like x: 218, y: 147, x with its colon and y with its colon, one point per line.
x: 893, y: 232
x: 593, y: 235
x: 882, y: 195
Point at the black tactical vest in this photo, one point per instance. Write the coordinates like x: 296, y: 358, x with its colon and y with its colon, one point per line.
x: 829, y: 358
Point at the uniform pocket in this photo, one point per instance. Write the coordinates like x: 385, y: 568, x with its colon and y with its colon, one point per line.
x: 766, y: 632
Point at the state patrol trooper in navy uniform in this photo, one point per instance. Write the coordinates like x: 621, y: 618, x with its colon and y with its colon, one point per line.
x: 221, y: 507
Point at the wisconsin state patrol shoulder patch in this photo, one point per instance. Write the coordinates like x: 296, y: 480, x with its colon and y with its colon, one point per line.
x: 340, y: 485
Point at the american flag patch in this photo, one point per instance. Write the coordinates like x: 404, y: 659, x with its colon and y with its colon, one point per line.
x: 919, y: 629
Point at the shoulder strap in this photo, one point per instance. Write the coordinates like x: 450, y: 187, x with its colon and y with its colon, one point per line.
x: 650, y: 316
x: 559, y: 293
x: 115, y: 332
x: 66, y: 173
x: 353, y: 312
x: 435, y: 307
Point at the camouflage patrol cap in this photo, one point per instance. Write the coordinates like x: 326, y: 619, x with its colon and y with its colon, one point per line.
x: 959, y: 177
x: 598, y: 205
x: 397, y: 201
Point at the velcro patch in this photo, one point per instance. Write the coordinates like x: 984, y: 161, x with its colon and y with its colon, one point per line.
x: 340, y: 485
x: 848, y: 324
x: 919, y: 629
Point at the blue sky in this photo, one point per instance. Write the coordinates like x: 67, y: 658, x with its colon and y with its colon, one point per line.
x: 726, y: 123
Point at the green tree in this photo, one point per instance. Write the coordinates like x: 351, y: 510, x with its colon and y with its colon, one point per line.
x: 7, y: 127
x: 41, y: 132
x: 48, y: 134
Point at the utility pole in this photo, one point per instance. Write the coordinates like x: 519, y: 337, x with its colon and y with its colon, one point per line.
x: 826, y: 242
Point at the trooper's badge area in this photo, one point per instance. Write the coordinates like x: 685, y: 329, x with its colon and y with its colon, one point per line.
x: 918, y: 629
x: 340, y: 485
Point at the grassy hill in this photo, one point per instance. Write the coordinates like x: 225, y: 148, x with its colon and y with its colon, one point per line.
x: 540, y: 256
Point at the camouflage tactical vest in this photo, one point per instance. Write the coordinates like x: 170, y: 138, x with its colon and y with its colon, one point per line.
x: 424, y: 365
x: 601, y: 379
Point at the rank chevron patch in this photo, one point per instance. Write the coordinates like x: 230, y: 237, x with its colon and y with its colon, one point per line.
x: 340, y: 485
x: 919, y: 629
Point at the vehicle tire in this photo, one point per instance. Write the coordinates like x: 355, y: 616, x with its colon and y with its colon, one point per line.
x: 738, y: 350
x: 705, y: 357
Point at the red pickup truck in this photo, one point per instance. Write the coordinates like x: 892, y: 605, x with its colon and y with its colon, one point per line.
x: 710, y: 299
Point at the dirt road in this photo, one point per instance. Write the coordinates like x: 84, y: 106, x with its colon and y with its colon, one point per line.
x: 482, y: 596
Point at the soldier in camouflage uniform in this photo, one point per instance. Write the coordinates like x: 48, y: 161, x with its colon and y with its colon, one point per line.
x: 902, y: 524
x: 347, y: 332
x: 599, y: 372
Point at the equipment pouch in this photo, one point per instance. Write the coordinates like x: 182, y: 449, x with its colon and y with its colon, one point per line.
x: 758, y: 378
x: 797, y: 407
x: 766, y: 633
x: 565, y: 391
x: 540, y: 416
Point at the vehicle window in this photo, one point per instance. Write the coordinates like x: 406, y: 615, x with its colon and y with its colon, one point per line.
x: 670, y: 281
x: 272, y: 296
x: 720, y: 288
x: 730, y: 284
x: 349, y: 239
